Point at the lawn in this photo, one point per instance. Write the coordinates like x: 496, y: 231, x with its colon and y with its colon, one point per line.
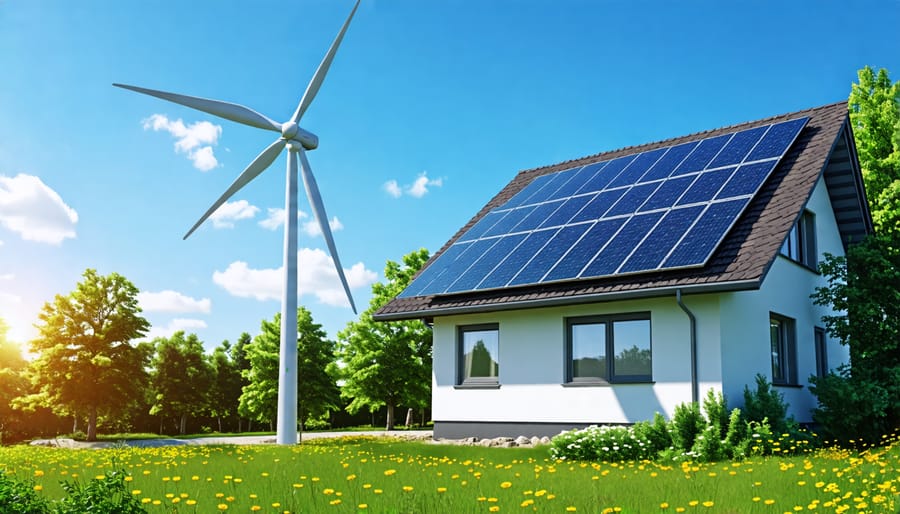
x: 368, y: 474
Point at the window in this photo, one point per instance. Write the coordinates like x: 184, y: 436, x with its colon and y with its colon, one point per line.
x: 608, y: 349
x: 479, y: 350
x: 821, y: 352
x: 800, y: 244
x: 781, y: 339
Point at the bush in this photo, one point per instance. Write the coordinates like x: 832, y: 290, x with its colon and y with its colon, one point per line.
x: 107, y: 494
x: 766, y: 404
x: 606, y: 443
x: 708, y: 446
x: 737, y: 432
x: 851, y: 407
x: 687, y: 424
x: 716, y: 409
x: 20, y: 497
x: 656, y: 433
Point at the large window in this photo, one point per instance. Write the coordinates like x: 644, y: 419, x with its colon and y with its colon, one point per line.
x: 801, y: 242
x: 608, y: 349
x: 479, y: 355
x: 782, y: 343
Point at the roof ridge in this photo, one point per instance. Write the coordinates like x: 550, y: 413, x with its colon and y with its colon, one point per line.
x: 632, y: 149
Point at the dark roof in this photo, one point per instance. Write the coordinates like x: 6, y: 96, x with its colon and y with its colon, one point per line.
x: 742, y: 259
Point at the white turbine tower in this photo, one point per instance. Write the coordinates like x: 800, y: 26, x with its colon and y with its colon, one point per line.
x: 297, y: 141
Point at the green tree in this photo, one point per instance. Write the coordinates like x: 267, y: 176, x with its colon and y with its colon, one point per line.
x: 875, y: 116
x: 864, y: 290
x: 86, y: 364
x: 317, y: 392
x: 12, y: 381
x: 225, y: 392
x: 238, y: 354
x: 387, y: 364
x: 180, y: 378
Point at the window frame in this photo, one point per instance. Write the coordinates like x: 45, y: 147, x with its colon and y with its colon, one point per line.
x: 787, y: 350
x: 802, y: 241
x: 609, y: 321
x: 820, y: 341
x: 475, y: 382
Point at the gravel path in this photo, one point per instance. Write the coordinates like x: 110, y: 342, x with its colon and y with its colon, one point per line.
x: 265, y: 439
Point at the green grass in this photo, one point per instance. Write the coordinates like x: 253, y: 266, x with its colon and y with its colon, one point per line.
x: 367, y: 474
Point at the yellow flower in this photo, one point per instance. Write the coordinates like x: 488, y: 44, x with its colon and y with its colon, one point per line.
x: 769, y: 501
x: 442, y: 489
x: 494, y: 508
x: 191, y: 502
x: 664, y: 505
x: 255, y: 508
x: 389, y: 472
x: 38, y: 473
x: 708, y: 504
x: 407, y: 488
x: 571, y: 508
x: 222, y: 506
x: 362, y: 506
x: 38, y: 487
x: 506, y: 485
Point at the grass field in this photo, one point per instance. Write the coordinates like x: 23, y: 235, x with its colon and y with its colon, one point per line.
x: 367, y: 474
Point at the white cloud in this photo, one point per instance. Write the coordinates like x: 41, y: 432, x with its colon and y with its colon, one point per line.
x: 195, y: 139
x: 15, y: 313
x: 275, y: 219
x: 34, y: 210
x: 185, y: 324
x: 7, y: 276
x: 311, y: 228
x: 393, y: 188
x: 316, y: 276
x: 229, y: 212
x: 417, y: 189
x: 172, y: 301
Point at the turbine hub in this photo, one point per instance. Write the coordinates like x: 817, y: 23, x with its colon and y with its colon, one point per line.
x: 289, y: 129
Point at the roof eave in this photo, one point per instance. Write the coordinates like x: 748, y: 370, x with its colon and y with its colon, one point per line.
x: 656, y: 292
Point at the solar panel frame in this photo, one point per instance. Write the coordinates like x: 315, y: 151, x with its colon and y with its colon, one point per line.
x: 611, y: 198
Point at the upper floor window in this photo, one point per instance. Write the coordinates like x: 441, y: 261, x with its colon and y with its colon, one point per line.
x: 800, y: 244
x: 479, y: 355
x: 603, y: 349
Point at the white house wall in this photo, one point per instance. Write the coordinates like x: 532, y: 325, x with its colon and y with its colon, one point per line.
x: 532, y: 367
x: 785, y: 291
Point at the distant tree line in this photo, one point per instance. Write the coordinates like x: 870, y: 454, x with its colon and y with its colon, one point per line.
x: 90, y: 374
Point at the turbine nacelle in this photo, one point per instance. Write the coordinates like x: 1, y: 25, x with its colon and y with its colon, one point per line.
x: 292, y: 132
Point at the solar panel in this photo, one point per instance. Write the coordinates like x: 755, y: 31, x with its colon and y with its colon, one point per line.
x: 666, y: 208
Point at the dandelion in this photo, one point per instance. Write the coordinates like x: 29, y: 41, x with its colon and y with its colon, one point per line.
x: 407, y: 488
x: 708, y: 504
x: 571, y: 508
x: 38, y: 488
x: 363, y: 506
x: 506, y: 485
x: 442, y: 489
x: 222, y: 506
x: 494, y: 508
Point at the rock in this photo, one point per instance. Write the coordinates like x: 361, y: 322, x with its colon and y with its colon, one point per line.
x: 523, y: 441
x: 545, y: 440
x: 535, y: 441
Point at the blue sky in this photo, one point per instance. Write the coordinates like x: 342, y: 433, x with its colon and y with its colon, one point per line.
x: 430, y: 108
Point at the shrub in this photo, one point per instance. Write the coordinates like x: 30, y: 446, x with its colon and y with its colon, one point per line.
x: 687, y: 424
x: 759, y: 439
x: 851, y: 407
x: 708, y: 446
x: 716, y: 409
x: 606, y: 443
x: 656, y: 433
x: 737, y: 433
x: 766, y: 404
x: 20, y: 497
x: 106, y: 494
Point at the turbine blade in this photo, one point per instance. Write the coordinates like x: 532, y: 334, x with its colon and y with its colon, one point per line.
x: 315, y: 201
x: 262, y: 161
x: 313, y: 88
x: 229, y: 111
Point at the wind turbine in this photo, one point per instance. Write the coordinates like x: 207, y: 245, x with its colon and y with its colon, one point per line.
x: 297, y: 142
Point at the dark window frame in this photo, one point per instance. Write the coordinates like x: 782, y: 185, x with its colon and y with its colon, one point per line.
x: 475, y: 382
x: 800, y: 245
x: 821, y: 346
x: 608, y: 320
x: 784, y: 371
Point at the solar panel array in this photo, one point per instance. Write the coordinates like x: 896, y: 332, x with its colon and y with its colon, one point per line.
x: 661, y: 209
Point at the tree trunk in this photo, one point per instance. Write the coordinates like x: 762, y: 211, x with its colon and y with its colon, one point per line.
x: 219, y: 419
x: 92, y: 425
x: 182, y: 425
x: 390, y: 416
x: 75, y: 424
x: 409, y: 417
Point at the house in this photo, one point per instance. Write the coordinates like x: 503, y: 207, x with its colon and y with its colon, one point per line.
x: 608, y: 288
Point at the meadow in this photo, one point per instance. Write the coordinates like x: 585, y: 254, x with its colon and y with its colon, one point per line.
x: 372, y: 474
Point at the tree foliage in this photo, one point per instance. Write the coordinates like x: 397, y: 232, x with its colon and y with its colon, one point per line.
x: 317, y: 392
x: 387, y: 363
x: 875, y: 116
x: 225, y: 391
x: 86, y: 363
x: 181, y: 378
x: 12, y: 380
x: 864, y: 289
